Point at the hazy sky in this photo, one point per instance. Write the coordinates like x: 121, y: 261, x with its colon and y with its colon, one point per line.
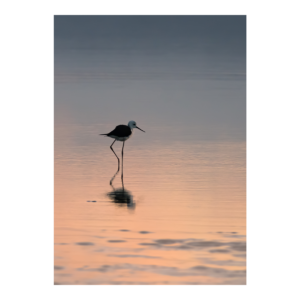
x: 224, y: 31
x: 233, y: 26
x: 167, y: 70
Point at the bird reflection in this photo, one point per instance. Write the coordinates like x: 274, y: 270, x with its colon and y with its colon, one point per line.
x: 121, y: 196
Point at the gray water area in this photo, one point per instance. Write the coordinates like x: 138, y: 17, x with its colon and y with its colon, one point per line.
x: 179, y: 214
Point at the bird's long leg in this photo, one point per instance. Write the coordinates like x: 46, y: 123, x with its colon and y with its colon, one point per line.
x: 115, y: 155
x: 122, y: 162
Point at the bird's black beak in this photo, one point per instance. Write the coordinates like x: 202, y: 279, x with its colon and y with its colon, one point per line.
x: 140, y: 129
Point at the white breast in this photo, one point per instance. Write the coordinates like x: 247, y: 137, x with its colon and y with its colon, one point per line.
x: 121, y: 139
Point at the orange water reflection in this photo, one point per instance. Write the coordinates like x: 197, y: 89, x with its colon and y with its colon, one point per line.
x: 183, y: 221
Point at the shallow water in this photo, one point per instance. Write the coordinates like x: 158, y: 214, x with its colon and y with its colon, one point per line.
x: 179, y: 215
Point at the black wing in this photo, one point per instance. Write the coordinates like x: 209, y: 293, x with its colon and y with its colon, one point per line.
x: 121, y: 131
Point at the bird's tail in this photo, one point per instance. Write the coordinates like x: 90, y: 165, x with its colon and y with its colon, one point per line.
x: 103, y: 134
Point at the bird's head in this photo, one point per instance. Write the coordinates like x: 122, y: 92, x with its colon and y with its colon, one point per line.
x: 132, y: 124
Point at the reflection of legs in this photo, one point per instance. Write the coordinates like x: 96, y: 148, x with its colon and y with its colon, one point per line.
x: 115, y: 155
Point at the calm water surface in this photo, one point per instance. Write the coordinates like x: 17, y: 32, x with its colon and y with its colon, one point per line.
x: 182, y: 216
